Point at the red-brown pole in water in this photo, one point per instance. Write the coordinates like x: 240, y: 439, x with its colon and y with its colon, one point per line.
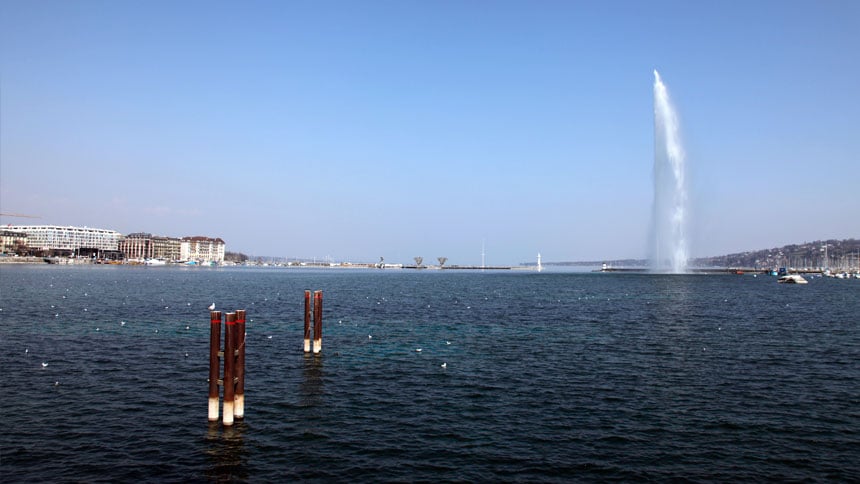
x: 239, y: 408
x: 317, y: 321
x: 214, y: 362
x: 229, y: 363
x: 307, y: 321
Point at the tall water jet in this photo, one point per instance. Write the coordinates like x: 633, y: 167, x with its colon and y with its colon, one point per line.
x: 669, y: 251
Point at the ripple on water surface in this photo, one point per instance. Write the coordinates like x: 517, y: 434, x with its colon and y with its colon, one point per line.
x: 546, y: 377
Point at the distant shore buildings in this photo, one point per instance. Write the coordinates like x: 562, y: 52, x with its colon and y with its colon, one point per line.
x: 201, y: 249
x: 55, y: 240
x: 147, y: 246
x: 12, y: 242
x: 55, y: 237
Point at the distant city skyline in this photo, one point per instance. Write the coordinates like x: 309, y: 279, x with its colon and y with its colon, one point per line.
x: 398, y: 129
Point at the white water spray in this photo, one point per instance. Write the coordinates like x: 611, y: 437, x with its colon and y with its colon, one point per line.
x: 669, y: 218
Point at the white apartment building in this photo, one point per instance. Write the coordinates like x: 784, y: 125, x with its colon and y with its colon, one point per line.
x: 51, y: 237
x: 202, y: 250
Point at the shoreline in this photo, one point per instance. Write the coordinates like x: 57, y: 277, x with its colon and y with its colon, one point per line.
x: 532, y: 268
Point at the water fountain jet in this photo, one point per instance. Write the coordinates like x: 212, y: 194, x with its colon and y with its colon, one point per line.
x: 669, y: 252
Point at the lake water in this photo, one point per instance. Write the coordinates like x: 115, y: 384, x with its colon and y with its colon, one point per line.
x: 548, y: 377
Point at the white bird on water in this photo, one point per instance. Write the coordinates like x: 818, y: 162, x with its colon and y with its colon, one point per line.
x: 44, y: 364
x: 212, y: 307
x: 418, y: 350
x: 444, y: 365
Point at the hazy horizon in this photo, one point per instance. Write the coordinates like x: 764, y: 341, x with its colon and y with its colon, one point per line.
x: 403, y: 129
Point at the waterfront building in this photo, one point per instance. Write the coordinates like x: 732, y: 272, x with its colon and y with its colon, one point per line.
x: 55, y: 237
x: 141, y: 245
x: 12, y: 242
x: 202, y: 250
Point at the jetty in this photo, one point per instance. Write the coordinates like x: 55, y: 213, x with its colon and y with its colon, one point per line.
x: 462, y: 268
x: 714, y: 270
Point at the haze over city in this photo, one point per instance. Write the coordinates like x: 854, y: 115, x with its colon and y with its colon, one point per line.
x: 398, y: 129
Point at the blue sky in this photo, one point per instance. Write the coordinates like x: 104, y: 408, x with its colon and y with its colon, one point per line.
x: 392, y: 128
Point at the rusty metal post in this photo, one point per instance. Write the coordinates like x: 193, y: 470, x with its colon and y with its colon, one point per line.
x: 307, y: 321
x: 229, y: 364
x: 318, y: 307
x: 214, y: 362
x: 239, y: 408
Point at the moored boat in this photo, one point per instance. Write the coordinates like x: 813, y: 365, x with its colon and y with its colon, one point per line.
x: 792, y: 279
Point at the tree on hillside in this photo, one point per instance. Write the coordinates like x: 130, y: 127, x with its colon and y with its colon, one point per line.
x: 235, y: 257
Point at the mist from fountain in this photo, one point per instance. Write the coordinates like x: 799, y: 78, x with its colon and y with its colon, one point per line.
x: 668, y: 251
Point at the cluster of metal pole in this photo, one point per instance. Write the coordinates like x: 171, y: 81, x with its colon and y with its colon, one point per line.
x: 233, y: 379
x: 317, y: 315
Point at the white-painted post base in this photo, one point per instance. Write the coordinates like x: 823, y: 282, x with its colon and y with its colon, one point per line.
x: 228, y: 413
x: 213, y: 409
x: 307, y: 346
x: 239, y: 406
x: 317, y: 345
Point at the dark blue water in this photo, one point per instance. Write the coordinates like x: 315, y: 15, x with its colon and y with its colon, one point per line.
x: 549, y: 377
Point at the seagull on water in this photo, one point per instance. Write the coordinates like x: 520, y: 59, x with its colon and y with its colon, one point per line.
x: 444, y: 365
x: 212, y: 307
x: 418, y: 350
x: 44, y: 364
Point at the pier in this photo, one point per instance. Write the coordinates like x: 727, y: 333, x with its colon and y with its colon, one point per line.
x: 462, y: 268
x: 713, y: 270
